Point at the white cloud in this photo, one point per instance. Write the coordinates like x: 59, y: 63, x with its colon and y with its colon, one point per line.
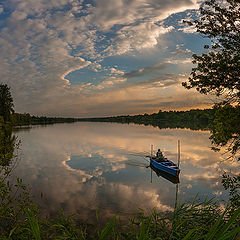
x: 109, y: 13
x: 111, y: 82
x: 84, y: 64
x: 188, y: 29
x: 116, y: 71
x: 42, y: 41
x: 181, y: 52
x: 96, y: 67
x: 180, y: 61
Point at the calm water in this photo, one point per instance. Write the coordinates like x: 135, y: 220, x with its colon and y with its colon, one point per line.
x: 81, y: 167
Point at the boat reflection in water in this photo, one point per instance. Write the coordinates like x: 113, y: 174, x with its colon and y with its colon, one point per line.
x: 169, y: 177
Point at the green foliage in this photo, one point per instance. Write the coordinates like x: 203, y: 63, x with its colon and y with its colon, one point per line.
x: 19, y: 119
x: 7, y: 145
x: 188, y: 221
x: 62, y: 227
x: 225, y: 128
x: 232, y: 183
x: 218, y: 70
x: 14, y: 195
x: 108, y: 231
x: 194, y: 119
x: 33, y: 223
x: 6, y: 103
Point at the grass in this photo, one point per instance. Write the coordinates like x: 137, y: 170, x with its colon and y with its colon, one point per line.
x: 198, y: 221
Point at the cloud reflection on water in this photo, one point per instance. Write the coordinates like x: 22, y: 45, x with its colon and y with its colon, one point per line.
x: 110, y: 183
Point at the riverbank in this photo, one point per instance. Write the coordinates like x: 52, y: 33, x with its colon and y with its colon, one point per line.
x: 193, y: 119
x: 192, y: 220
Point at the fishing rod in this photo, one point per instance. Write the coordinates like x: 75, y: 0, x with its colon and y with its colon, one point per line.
x: 137, y: 165
x: 144, y: 157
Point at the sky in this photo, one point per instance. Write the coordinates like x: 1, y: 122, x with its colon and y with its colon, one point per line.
x: 85, y: 58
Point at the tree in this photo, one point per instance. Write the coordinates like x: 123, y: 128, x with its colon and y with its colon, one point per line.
x: 8, y: 143
x: 6, y: 102
x: 218, y: 70
x: 226, y: 128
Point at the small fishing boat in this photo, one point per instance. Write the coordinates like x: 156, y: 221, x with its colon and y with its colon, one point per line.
x: 165, y: 165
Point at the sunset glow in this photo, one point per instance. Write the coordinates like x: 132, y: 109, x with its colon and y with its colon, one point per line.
x: 80, y: 58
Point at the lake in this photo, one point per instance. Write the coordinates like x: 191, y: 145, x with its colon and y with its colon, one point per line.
x: 85, y: 166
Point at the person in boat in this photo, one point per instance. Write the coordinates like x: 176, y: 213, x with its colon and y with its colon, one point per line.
x: 159, y: 155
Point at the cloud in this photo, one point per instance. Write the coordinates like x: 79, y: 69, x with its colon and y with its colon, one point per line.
x: 191, y: 16
x: 110, y: 82
x: 41, y: 42
x: 180, y: 61
x: 154, y: 69
x: 136, y: 37
x: 162, y: 81
x: 116, y: 71
x: 108, y: 13
x: 144, y: 97
x: 181, y: 52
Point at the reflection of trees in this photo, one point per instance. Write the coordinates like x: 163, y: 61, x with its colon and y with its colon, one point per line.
x: 232, y: 183
x: 7, y: 145
x: 14, y: 196
x: 226, y: 134
x: 226, y: 128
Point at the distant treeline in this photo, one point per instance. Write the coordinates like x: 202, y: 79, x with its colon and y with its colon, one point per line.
x: 20, y: 119
x: 194, y: 119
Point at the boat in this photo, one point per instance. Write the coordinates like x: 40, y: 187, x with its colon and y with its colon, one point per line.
x: 165, y: 175
x: 165, y: 165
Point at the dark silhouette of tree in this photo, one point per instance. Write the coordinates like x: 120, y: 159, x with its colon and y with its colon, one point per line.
x: 226, y: 128
x: 218, y: 70
x: 6, y: 103
x: 7, y: 145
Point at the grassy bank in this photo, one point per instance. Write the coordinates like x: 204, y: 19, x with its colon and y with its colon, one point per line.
x: 189, y: 221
